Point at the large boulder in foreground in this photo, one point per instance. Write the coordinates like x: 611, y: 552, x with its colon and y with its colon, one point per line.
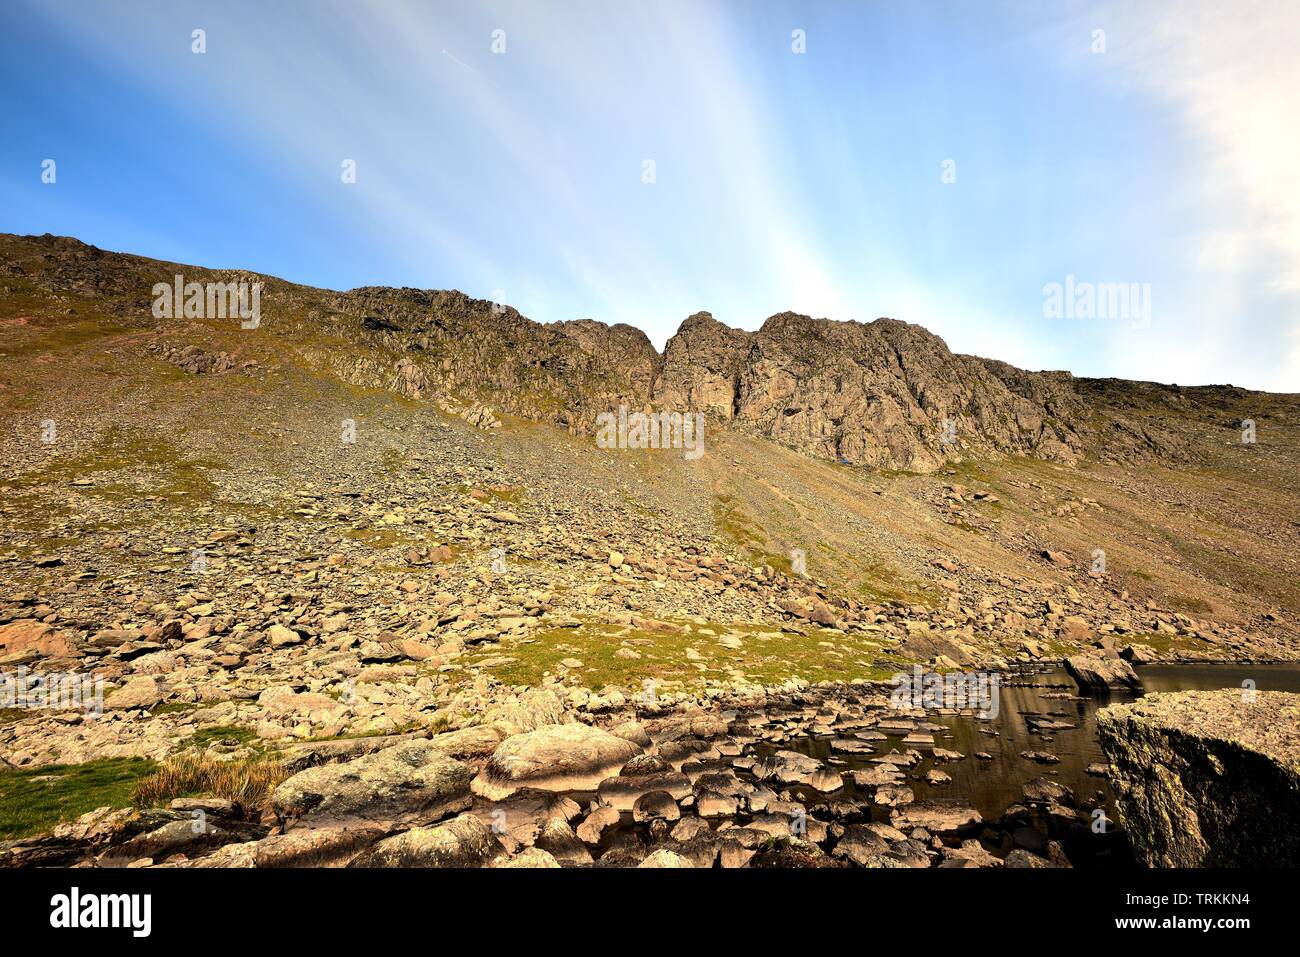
x: 559, y: 757
x: 414, y: 779
x: 1097, y: 674
x: 535, y: 708
x: 1207, y: 778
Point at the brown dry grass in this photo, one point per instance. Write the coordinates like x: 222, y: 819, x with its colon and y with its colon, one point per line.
x: 246, y: 781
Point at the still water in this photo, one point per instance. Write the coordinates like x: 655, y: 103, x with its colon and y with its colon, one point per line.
x: 1028, y: 701
x: 993, y: 785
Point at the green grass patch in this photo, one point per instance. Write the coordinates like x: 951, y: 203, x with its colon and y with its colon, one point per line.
x: 1162, y: 642
x: 865, y: 577
x: 148, y: 459
x: 43, y: 335
x: 683, y: 660
x: 385, y: 537
x: 32, y: 801
x: 178, y: 707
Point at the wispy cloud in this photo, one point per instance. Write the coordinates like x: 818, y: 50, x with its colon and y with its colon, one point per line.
x: 1230, y: 72
x: 783, y: 181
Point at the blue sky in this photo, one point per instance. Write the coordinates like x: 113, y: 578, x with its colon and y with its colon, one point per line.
x: 809, y: 181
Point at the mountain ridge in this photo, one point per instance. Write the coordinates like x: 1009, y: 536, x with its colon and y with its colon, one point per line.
x: 884, y: 394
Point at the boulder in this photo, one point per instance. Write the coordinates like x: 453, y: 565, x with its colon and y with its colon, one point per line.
x: 179, y: 836
x: 1019, y: 858
x: 1075, y: 630
x: 464, y: 841
x: 655, y: 805
x: 534, y: 709
x: 877, y: 776
x: 971, y: 853
x: 413, y: 778
x: 935, y: 817
x: 713, y: 804
x: 559, y: 757
x: 666, y: 858
x: 533, y: 857
x: 894, y: 795
x: 139, y: 692
x: 477, y: 741
x: 1138, y: 654
x: 315, y: 847
x: 632, y: 731
x: 825, y: 780
x: 862, y: 846
x: 558, y: 840
x: 520, y: 818
x: 1095, y: 674
x: 1046, y: 791
x: 592, y: 829
x: 282, y: 637
x: 789, y: 767
x: 27, y: 635
x: 641, y: 775
x: 1207, y: 778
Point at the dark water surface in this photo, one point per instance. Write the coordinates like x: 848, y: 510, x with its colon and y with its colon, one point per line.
x: 1039, y: 710
x: 1047, y: 693
x: 1206, y: 677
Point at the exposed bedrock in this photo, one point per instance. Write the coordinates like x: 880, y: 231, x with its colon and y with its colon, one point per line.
x: 1207, y: 778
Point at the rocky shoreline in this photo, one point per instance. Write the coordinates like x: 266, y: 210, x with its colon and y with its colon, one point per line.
x: 542, y: 786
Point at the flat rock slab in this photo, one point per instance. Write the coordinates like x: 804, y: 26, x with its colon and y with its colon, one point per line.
x: 411, y: 780
x: 520, y: 818
x: 138, y: 692
x: 30, y: 635
x: 935, y: 817
x: 315, y: 847
x: 300, y: 757
x: 622, y: 791
x: 1207, y: 778
x: 560, y: 757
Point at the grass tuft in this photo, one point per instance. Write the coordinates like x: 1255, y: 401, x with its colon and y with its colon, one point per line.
x: 248, y: 781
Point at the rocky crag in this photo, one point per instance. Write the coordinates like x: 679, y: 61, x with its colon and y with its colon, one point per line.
x: 885, y: 393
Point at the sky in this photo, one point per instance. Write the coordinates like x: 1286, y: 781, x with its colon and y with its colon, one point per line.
x: 944, y: 163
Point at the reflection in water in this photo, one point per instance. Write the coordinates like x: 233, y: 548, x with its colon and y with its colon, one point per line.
x: 1040, y: 711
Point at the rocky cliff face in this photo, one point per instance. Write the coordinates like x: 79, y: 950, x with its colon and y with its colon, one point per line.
x: 1207, y: 778
x: 444, y: 344
x: 702, y: 367
x: 886, y: 394
x: 617, y: 349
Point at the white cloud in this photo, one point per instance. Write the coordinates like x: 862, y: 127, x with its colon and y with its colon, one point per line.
x: 674, y: 82
x: 1231, y: 71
